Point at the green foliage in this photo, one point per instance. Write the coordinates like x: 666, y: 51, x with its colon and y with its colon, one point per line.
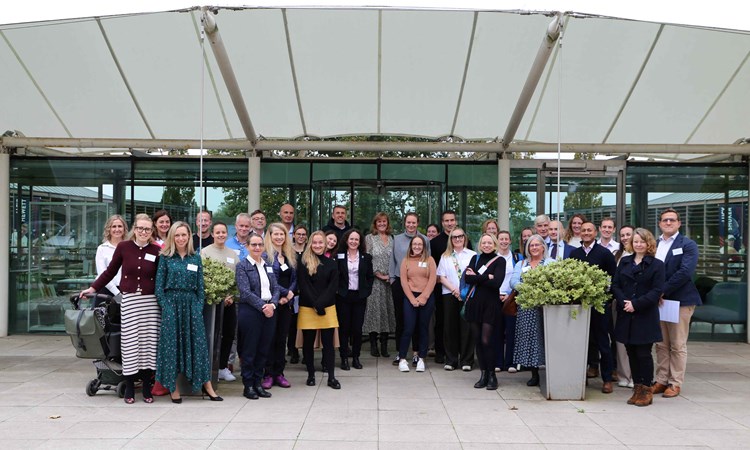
x: 564, y: 282
x: 582, y: 200
x: 219, y: 281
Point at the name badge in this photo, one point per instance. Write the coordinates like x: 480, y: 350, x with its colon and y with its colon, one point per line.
x: 422, y: 264
x: 236, y: 251
x: 341, y: 256
x: 269, y: 269
x: 192, y: 267
x: 284, y: 267
x: 676, y: 251
x: 150, y: 257
x: 230, y: 260
x: 482, y: 270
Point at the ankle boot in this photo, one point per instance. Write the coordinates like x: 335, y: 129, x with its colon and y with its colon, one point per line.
x: 646, y: 397
x: 129, y: 389
x: 636, y: 393
x: 483, y: 379
x: 344, y: 363
x: 146, y: 377
x: 534, y: 381
x: 492, y: 380
x: 384, y: 345
x: 374, y: 345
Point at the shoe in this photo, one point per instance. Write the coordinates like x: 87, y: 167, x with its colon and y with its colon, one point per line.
x: 414, y: 360
x: 281, y: 381
x: 646, y: 398
x: 396, y: 361
x: 607, y: 387
x: 345, y: 364
x: 248, y: 392
x: 482, y: 383
x: 431, y: 352
x: 129, y: 396
x: 420, y: 365
x: 623, y: 383
x: 498, y: 370
x: 658, y: 388
x: 177, y: 400
x: 636, y: 393
x: 334, y: 383
x: 512, y: 369
x: 356, y: 364
x: 374, y: 351
x: 384, y: 346
x: 448, y: 367
x: 671, y: 392
x: 226, y: 375
x: 295, y: 358
x: 491, y: 381
x: 466, y: 368
x: 261, y: 391
x: 534, y: 381
x: 630, y: 384
x: 131, y: 400
x: 403, y: 366
x: 213, y: 399
x: 267, y: 382
x: 146, y: 389
x: 592, y: 372
x: 310, y: 381
x: 439, y: 359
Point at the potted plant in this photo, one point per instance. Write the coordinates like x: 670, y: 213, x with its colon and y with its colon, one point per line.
x: 567, y: 290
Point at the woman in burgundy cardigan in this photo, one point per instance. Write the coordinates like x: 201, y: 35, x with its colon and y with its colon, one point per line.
x: 141, y: 315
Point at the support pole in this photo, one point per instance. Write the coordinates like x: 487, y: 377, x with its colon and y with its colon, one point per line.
x: 503, y: 194
x: 253, y: 183
x: 4, y: 237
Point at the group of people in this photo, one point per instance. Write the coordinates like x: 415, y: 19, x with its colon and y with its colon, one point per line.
x: 331, y: 287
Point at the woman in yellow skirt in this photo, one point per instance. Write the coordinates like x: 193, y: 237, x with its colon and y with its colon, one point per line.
x: 317, y: 280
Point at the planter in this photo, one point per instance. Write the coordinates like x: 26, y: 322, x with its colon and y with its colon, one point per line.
x: 565, y: 351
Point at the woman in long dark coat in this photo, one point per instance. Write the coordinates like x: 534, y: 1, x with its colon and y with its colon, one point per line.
x: 637, y: 287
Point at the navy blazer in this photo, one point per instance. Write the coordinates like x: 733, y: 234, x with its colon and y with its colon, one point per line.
x: 679, y: 267
x: 248, y: 283
x: 642, y: 285
x: 567, y: 249
x: 366, y: 275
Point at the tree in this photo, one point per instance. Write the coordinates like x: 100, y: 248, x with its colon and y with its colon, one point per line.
x: 582, y: 200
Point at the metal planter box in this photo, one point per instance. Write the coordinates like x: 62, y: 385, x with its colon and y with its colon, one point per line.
x: 565, y: 350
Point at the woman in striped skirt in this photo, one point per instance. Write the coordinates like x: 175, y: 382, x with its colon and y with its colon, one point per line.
x: 141, y: 315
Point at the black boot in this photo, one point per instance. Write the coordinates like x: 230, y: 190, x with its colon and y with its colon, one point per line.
x: 482, y: 383
x: 534, y: 381
x: 374, y: 345
x: 129, y: 396
x: 384, y: 345
x: 492, y: 382
x: 344, y: 363
x: 146, y: 378
x: 355, y: 363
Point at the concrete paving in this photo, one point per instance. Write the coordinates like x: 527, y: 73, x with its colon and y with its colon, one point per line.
x: 43, y: 404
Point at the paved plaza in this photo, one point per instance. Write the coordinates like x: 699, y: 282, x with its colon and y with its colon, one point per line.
x: 43, y: 404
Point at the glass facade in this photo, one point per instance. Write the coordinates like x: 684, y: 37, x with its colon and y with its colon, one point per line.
x: 59, y: 206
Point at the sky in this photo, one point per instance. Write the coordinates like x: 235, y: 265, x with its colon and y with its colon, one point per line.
x: 733, y: 14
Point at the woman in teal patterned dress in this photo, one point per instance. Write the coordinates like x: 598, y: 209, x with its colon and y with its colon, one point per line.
x: 183, y: 347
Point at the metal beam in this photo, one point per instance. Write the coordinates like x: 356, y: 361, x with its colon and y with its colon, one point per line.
x: 535, y: 74
x: 225, y: 66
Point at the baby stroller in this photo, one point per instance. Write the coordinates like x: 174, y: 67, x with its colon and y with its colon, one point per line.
x: 95, y: 333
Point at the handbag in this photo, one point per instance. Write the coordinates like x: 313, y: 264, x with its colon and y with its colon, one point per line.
x: 86, y: 333
x: 510, y: 307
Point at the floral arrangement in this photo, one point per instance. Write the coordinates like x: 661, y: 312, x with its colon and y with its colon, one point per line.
x: 219, y: 281
x: 569, y: 281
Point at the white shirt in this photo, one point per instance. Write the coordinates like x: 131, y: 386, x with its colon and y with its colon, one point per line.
x: 664, y: 245
x: 612, y: 246
x: 447, y: 268
x: 265, y: 283
x: 505, y: 287
x: 103, y: 257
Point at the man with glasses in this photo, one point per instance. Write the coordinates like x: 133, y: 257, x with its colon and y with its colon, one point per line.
x: 258, y: 221
x: 202, y: 237
x: 680, y: 256
x: 238, y: 243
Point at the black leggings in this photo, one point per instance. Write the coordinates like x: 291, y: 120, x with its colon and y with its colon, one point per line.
x: 485, y: 350
x: 228, y: 328
x: 308, y: 342
x: 641, y: 363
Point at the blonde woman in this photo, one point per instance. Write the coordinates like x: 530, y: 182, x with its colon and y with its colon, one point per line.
x: 183, y: 347
x: 115, y: 231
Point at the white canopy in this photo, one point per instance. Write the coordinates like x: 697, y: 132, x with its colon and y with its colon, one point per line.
x: 331, y: 72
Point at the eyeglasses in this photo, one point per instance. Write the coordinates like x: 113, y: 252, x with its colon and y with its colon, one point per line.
x: 458, y: 236
x: 300, y: 234
x: 143, y: 229
x: 255, y: 245
x: 669, y: 219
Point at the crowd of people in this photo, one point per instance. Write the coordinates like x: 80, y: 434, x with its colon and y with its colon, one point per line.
x: 433, y: 293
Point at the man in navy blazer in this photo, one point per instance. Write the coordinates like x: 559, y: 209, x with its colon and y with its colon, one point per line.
x: 680, y: 256
x: 601, y: 257
x: 563, y: 248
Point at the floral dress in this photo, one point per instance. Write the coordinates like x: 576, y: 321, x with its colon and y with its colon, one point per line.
x: 379, y: 314
x: 183, y: 347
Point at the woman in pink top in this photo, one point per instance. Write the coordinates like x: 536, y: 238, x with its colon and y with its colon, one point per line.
x: 418, y: 277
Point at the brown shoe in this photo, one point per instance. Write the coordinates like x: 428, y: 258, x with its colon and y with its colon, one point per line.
x: 607, y: 387
x: 615, y: 377
x: 636, y: 393
x: 592, y: 372
x: 672, y: 391
x: 645, y: 398
x: 658, y: 388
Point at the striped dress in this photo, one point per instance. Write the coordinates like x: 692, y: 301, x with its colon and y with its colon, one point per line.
x: 141, y: 322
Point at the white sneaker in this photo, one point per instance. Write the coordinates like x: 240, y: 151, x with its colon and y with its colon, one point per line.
x: 466, y: 368
x: 512, y: 369
x: 448, y: 367
x: 420, y: 365
x: 631, y: 385
x: 623, y: 383
x: 226, y: 375
x: 403, y: 365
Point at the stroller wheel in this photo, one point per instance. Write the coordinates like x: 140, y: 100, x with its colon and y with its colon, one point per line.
x: 92, y: 388
x: 121, y: 389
